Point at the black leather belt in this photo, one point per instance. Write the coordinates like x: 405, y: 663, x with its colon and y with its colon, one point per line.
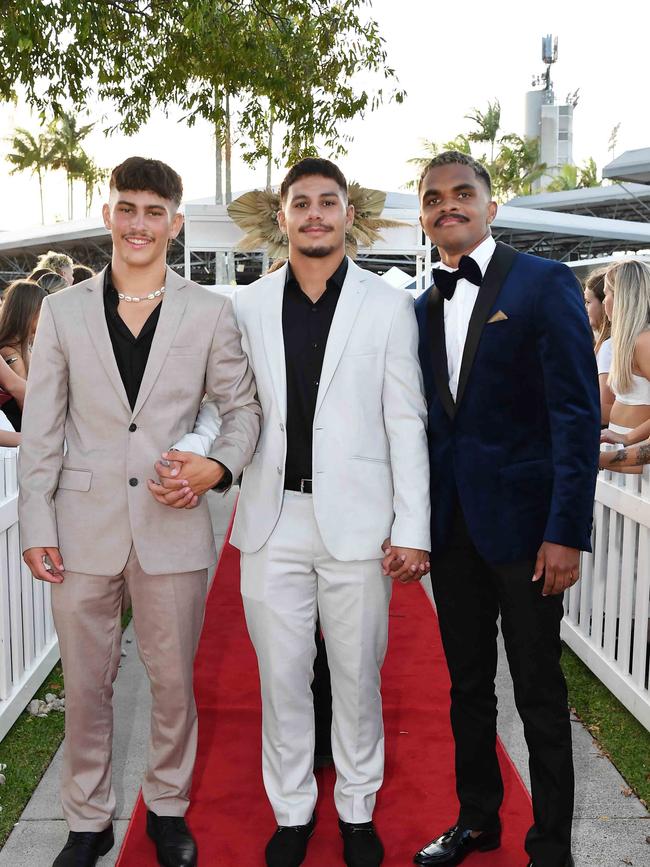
x: 301, y: 485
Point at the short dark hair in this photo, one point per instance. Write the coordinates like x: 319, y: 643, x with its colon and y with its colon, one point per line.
x: 81, y: 272
x: 447, y: 158
x: 312, y: 166
x: 138, y: 173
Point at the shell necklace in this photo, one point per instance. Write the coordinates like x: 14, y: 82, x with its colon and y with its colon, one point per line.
x: 149, y: 297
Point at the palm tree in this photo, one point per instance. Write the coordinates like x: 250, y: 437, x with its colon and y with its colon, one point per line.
x: 31, y: 153
x: 517, y: 166
x: 571, y: 177
x: 488, y: 123
x: 67, y: 151
x: 432, y: 149
x: 87, y: 170
x: 589, y: 174
x: 565, y: 179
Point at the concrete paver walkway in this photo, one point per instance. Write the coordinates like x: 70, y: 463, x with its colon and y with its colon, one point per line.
x: 610, y: 829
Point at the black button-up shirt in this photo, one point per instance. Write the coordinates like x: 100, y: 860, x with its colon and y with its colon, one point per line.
x: 305, y: 327
x: 131, y: 353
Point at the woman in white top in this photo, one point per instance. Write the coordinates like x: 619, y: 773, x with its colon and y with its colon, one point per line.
x: 627, y: 303
x: 594, y: 294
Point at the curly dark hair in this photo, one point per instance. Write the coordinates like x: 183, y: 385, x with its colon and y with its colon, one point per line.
x: 447, y: 158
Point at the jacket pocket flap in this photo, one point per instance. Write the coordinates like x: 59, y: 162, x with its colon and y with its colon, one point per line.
x: 75, y: 480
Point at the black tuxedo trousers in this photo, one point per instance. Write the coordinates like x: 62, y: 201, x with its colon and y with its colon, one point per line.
x: 470, y: 594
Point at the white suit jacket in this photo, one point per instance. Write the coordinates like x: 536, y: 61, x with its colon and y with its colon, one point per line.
x: 93, y: 502
x: 370, y: 456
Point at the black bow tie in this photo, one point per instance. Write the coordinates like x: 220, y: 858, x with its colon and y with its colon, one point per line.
x: 445, y: 281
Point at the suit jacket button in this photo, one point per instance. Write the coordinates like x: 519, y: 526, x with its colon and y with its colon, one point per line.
x: 282, y: 428
x: 133, y: 482
x: 133, y: 427
x: 279, y: 471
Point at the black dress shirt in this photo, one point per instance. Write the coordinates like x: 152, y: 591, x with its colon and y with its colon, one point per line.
x: 131, y: 353
x: 305, y: 327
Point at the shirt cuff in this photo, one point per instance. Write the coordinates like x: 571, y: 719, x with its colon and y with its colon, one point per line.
x: 226, y: 481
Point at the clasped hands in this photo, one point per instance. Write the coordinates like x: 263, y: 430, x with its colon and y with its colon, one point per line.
x: 404, y: 564
x: 183, y: 478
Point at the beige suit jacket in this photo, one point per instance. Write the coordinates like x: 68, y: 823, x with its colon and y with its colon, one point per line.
x: 93, y: 501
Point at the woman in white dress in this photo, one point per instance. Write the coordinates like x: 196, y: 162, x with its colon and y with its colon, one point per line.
x: 627, y: 303
x: 594, y: 294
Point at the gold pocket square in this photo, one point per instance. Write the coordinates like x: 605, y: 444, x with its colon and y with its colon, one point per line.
x: 499, y: 316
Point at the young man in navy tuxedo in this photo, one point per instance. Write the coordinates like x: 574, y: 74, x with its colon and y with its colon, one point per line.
x: 514, y: 421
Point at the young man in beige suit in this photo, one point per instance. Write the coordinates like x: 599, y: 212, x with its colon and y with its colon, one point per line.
x: 119, y: 368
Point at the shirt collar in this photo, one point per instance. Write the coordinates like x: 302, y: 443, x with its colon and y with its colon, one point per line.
x: 337, y: 278
x: 481, y: 255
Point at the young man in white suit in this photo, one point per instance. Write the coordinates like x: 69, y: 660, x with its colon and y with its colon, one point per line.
x: 341, y: 465
x: 120, y: 365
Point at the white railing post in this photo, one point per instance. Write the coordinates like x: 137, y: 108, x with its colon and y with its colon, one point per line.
x: 28, y: 646
x: 607, y: 612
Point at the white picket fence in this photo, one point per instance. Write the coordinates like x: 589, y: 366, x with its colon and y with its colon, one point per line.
x: 28, y: 645
x: 607, y: 612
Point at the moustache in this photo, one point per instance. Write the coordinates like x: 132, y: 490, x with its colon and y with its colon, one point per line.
x: 459, y: 217
x: 322, y: 226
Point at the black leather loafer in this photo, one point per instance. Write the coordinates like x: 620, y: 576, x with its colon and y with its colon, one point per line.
x: 361, y: 845
x: 456, y: 844
x: 84, y: 848
x: 288, y: 846
x: 175, y: 846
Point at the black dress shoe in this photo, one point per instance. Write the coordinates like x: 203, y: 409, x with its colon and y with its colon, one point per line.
x: 455, y: 845
x: 288, y: 846
x: 175, y: 846
x: 361, y: 845
x: 84, y: 848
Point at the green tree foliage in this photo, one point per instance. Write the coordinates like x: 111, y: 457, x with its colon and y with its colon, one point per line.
x: 514, y: 161
x: 294, y: 56
x: 488, y: 124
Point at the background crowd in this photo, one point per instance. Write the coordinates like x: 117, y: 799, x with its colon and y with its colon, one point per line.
x: 20, y: 306
x: 617, y: 299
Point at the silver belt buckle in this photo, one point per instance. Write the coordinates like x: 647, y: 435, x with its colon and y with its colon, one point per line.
x: 302, y: 485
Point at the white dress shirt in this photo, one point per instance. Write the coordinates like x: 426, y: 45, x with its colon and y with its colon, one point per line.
x: 459, y: 310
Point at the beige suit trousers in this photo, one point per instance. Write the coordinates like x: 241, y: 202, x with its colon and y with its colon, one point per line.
x: 168, y: 615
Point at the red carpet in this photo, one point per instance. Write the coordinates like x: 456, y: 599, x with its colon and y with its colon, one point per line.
x: 230, y: 815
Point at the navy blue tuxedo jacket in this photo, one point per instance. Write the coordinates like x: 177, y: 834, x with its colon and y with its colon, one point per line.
x: 519, y: 447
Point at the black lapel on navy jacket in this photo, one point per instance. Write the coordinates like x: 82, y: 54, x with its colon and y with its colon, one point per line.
x: 497, y: 271
x: 438, y: 347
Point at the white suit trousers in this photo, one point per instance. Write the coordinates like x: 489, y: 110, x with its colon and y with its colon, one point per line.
x: 283, y: 585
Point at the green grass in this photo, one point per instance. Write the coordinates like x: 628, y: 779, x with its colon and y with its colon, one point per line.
x: 620, y: 736
x: 27, y: 750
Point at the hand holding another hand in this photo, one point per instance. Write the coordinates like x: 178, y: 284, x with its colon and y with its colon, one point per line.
x: 184, y: 477
x: 404, y: 564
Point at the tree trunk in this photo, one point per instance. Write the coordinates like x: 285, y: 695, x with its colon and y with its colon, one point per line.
x: 230, y: 256
x: 269, y: 161
x: 228, y: 153
x: 40, y: 191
